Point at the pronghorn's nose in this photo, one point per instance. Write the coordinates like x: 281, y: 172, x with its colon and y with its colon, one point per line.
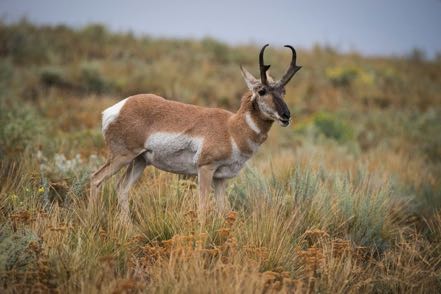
x: 286, y: 115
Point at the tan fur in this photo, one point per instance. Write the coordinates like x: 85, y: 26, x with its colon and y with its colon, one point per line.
x: 146, y: 114
x: 148, y: 129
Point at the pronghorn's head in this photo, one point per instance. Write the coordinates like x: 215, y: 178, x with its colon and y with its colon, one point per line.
x: 267, y: 93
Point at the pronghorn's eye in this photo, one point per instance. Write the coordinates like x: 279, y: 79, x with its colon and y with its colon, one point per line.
x: 261, y: 92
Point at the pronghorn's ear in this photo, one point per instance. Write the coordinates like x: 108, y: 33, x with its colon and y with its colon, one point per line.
x: 250, y: 80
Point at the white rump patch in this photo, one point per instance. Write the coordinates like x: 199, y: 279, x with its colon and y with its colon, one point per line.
x: 250, y: 122
x: 174, y: 152
x: 111, y: 113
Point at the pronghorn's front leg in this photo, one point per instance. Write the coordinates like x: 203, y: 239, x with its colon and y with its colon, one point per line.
x: 205, y: 177
x: 219, y: 193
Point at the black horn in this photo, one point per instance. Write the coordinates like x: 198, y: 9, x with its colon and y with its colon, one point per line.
x: 263, y: 67
x: 293, y: 68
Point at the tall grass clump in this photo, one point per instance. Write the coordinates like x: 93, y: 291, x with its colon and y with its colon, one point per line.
x: 356, y: 210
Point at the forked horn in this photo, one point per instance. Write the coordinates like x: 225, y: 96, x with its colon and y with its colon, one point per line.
x: 293, y: 68
x: 263, y: 67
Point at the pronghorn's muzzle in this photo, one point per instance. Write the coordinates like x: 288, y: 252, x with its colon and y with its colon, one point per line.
x: 285, y: 119
x: 283, y: 114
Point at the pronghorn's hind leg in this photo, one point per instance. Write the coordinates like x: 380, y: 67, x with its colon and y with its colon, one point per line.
x: 101, y: 168
x: 130, y: 177
x: 111, y: 167
x: 94, y: 183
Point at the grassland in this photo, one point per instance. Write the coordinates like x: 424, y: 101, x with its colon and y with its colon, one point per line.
x: 347, y: 200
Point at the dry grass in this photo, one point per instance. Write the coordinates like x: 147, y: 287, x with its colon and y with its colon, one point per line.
x: 345, y: 201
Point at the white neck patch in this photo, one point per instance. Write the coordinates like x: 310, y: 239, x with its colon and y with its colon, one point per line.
x: 250, y: 122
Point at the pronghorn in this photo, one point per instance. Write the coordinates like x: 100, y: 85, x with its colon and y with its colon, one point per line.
x: 212, y: 143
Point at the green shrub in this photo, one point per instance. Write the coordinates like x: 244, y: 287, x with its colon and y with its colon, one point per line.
x: 6, y: 72
x: 92, y: 80
x: 341, y: 76
x: 94, y: 32
x: 14, y: 252
x: 333, y: 127
x: 53, y: 76
x: 427, y: 130
x: 20, y: 127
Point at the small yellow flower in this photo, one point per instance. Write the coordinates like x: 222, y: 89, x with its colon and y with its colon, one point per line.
x: 14, y: 197
x: 41, y: 190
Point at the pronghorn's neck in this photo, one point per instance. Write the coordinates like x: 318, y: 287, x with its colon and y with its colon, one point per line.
x: 250, y: 109
x: 248, y: 126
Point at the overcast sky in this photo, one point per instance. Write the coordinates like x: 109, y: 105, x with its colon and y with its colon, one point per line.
x: 371, y: 27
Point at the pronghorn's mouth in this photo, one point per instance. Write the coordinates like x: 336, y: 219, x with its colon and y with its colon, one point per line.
x: 284, y: 122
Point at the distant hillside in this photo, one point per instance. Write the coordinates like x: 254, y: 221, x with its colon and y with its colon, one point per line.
x: 94, y: 60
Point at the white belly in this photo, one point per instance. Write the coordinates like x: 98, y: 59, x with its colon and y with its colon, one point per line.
x: 173, y: 152
x: 179, y: 153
